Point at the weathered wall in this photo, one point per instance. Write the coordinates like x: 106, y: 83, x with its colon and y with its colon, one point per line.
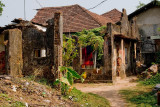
x: 34, y: 39
x: 148, y: 23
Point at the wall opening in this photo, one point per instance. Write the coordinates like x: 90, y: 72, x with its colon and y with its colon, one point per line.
x: 39, y: 53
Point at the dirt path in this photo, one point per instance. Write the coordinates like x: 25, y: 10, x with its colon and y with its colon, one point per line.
x: 109, y: 91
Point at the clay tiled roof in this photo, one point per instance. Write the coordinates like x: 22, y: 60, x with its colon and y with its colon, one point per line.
x: 114, y: 15
x: 75, y: 18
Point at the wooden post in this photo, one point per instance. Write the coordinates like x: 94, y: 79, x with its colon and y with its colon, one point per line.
x: 58, y: 44
x: 95, y: 59
x: 80, y: 54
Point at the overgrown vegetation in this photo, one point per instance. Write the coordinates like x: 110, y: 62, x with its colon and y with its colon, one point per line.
x: 70, y: 46
x: 87, y: 99
x: 140, y: 5
x: 152, y: 81
x: 142, y: 95
x: 1, y: 7
x: 94, y: 38
x: 67, y: 79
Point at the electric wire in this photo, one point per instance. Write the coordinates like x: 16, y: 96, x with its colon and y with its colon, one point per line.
x: 97, y: 5
x: 39, y: 3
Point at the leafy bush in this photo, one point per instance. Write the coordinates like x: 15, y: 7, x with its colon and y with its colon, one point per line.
x: 67, y: 79
x: 152, y: 81
x: 93, y: 37
x: 69, y: 50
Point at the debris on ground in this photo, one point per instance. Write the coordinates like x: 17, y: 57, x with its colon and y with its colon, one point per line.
x: 22, y: 92
x: 151, y: 71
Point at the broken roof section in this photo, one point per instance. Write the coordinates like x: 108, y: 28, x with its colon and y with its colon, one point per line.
x: 115, y: 15
x: 19, y: 23
x: 75, y: 18
x: 152, y: 4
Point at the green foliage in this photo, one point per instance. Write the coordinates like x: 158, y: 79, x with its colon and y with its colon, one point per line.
x: 140, y: 5
x: 69, y: 50
x: 1, y: 7
x: 67, y: 79
x: 94, y: 38
x: 87, y: 99
x: 139, y: 96
x: 152, y: 81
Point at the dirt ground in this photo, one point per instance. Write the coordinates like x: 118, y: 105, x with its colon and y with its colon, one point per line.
x: 109, y: 91
x: 30, y: 93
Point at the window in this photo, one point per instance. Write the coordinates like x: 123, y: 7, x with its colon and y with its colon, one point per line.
x: 39, y: 53
x: 43, y: 53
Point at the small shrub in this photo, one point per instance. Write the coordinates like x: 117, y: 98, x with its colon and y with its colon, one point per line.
x: 152, y: 81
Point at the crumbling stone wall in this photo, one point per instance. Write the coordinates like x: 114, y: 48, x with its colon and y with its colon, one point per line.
x: 35, y: 40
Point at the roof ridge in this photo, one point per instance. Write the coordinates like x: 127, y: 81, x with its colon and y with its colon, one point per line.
x: 87, y: 11
x: 57, y: 7
x: 112, y: 10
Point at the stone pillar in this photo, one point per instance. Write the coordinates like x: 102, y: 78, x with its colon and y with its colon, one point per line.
x: 58, y: 42
x: 15, y: 52
x: 113, y: 55
x: 107, y: 70
x: 122, y: 71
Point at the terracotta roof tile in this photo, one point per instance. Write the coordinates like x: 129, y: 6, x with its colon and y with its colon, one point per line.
x: 114, y: 15
x: 75, y: 18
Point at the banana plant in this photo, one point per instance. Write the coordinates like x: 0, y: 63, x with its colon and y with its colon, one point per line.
x: 67, y: 79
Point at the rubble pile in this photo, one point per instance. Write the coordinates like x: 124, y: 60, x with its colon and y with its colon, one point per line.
x: 30, y: 93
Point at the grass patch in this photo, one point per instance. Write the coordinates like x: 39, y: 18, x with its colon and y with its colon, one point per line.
x: 87, y: 99
x: 140, y: 96
x: 5, y: 101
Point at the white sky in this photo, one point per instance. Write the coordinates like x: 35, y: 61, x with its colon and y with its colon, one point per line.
x: 15, y: 8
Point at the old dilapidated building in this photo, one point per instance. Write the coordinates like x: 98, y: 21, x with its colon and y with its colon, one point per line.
x: 120, y: 48
x: 25, y: 47
x: 148, y: 21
